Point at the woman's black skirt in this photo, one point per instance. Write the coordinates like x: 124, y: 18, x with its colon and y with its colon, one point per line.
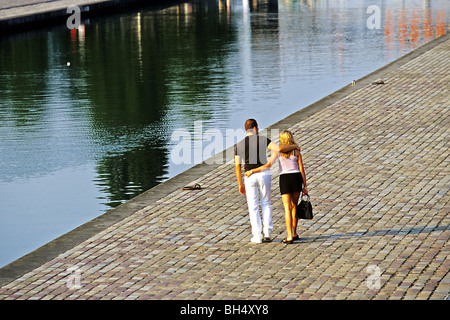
x: 291, y: 182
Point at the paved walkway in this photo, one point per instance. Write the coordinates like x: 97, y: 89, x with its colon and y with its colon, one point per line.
x: 17, y: 8
x: 17, y: 15
x: 377, y: 162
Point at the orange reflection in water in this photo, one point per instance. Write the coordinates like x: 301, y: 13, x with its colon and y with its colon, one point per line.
x: 440, y: 22
x: 414, y: 33
x: 411, y: 29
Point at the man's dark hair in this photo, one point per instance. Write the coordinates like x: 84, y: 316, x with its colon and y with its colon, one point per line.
x: 250, y: 124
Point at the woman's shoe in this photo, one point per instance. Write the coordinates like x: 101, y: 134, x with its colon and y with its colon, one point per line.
x: 286, y: 241
x: 295, y: 238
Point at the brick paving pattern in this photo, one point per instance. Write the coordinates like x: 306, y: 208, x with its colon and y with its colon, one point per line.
x: 377, y: 163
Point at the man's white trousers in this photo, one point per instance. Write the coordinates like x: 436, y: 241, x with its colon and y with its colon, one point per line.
x: 258, y: 190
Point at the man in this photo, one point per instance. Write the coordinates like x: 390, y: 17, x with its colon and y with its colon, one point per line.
x: 252, y: 152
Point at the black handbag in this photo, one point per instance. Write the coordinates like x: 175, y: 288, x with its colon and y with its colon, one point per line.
x: 304, y: 209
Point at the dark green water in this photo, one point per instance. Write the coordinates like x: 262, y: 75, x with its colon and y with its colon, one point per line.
x: 76, y: 141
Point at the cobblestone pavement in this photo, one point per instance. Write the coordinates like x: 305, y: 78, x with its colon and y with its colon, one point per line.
x: 377, y: 162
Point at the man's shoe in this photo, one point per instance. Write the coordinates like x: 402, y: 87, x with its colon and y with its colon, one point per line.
x: 256, y: 240
x: 267, y: 240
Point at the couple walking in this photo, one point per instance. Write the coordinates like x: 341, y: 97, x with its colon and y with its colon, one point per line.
x: 251, y: 152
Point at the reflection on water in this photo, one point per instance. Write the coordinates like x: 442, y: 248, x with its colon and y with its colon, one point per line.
x: 77, y: 140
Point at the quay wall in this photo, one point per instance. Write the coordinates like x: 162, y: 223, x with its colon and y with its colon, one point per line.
x: 18, y: 16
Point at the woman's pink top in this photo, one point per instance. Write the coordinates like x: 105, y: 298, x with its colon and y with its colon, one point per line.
x: 289, y: 164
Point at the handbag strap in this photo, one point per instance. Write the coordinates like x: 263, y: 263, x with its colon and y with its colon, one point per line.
x: 306, y: 199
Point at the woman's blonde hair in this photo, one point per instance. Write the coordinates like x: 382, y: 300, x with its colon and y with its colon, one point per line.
x: 286, y: 137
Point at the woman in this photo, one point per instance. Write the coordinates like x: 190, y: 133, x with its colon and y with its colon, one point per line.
x: 292, y: 182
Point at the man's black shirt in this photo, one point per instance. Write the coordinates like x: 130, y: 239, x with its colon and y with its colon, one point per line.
x: 252, y: 150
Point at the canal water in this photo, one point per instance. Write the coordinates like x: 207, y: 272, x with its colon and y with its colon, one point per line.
x: 90, y: 118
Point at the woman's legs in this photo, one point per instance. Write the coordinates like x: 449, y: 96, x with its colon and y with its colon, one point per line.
x: 290, y: 201
x: 287, y: 203
x: 294, y: 201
